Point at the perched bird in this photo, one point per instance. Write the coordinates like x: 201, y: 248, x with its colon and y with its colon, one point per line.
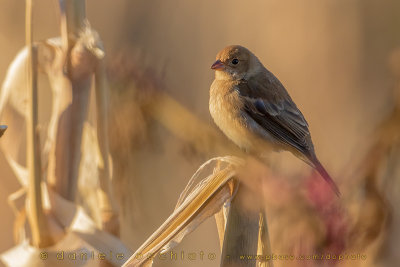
x: 253, y: 109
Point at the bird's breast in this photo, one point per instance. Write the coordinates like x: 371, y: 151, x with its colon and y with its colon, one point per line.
x: 226, y: 108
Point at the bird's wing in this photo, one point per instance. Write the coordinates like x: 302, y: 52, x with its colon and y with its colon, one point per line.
x: 268, y: 104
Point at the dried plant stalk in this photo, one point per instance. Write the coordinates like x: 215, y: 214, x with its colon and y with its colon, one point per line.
x: 73, y: 15
x: 242, y: 230
x: 65, y: 157
x: 37, y: 219
x: 220, y: 217
x: 108, y: 207
x: 264, y: 244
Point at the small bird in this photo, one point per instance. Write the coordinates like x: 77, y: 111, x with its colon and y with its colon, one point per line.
x: 253, y: 109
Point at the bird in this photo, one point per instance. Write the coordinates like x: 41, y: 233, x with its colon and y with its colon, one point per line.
x: 253, y: 109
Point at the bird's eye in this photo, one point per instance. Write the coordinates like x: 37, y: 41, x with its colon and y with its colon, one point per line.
x: 235, y: 61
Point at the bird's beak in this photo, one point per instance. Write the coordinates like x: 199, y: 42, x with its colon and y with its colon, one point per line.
x: 218, y: 65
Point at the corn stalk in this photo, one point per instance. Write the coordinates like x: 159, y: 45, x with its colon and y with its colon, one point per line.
x: 241, y: 233
x: 246, y: 239
x: 37, y: 219
x: 65, y: 157
x: 108, y: 207
x: 83, y: 59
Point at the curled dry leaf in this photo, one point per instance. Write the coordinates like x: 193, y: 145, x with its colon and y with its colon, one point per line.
x: 197, y: 203
x: 82, y: 237
x: 14, y: 99
x: 14, y: 91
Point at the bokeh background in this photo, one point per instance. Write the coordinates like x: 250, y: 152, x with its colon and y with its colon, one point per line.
x: 333, y: 56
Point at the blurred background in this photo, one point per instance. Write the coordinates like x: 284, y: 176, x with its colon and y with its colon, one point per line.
x: 335, y: 57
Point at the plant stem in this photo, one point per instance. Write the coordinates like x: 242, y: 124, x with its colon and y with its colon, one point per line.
x: 108, y: 207
x: 264, y: 245
x: 37, y: 219
x: 66, y: 155
x: 242, y: 230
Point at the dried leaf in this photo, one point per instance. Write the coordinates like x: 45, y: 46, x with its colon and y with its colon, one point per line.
x: 82, y: 237
x: 195, y: 205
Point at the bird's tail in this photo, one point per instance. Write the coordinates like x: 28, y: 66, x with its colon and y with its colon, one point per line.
x: 321, y: 170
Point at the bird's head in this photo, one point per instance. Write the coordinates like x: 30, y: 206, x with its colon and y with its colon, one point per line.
x: 236, y: 62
